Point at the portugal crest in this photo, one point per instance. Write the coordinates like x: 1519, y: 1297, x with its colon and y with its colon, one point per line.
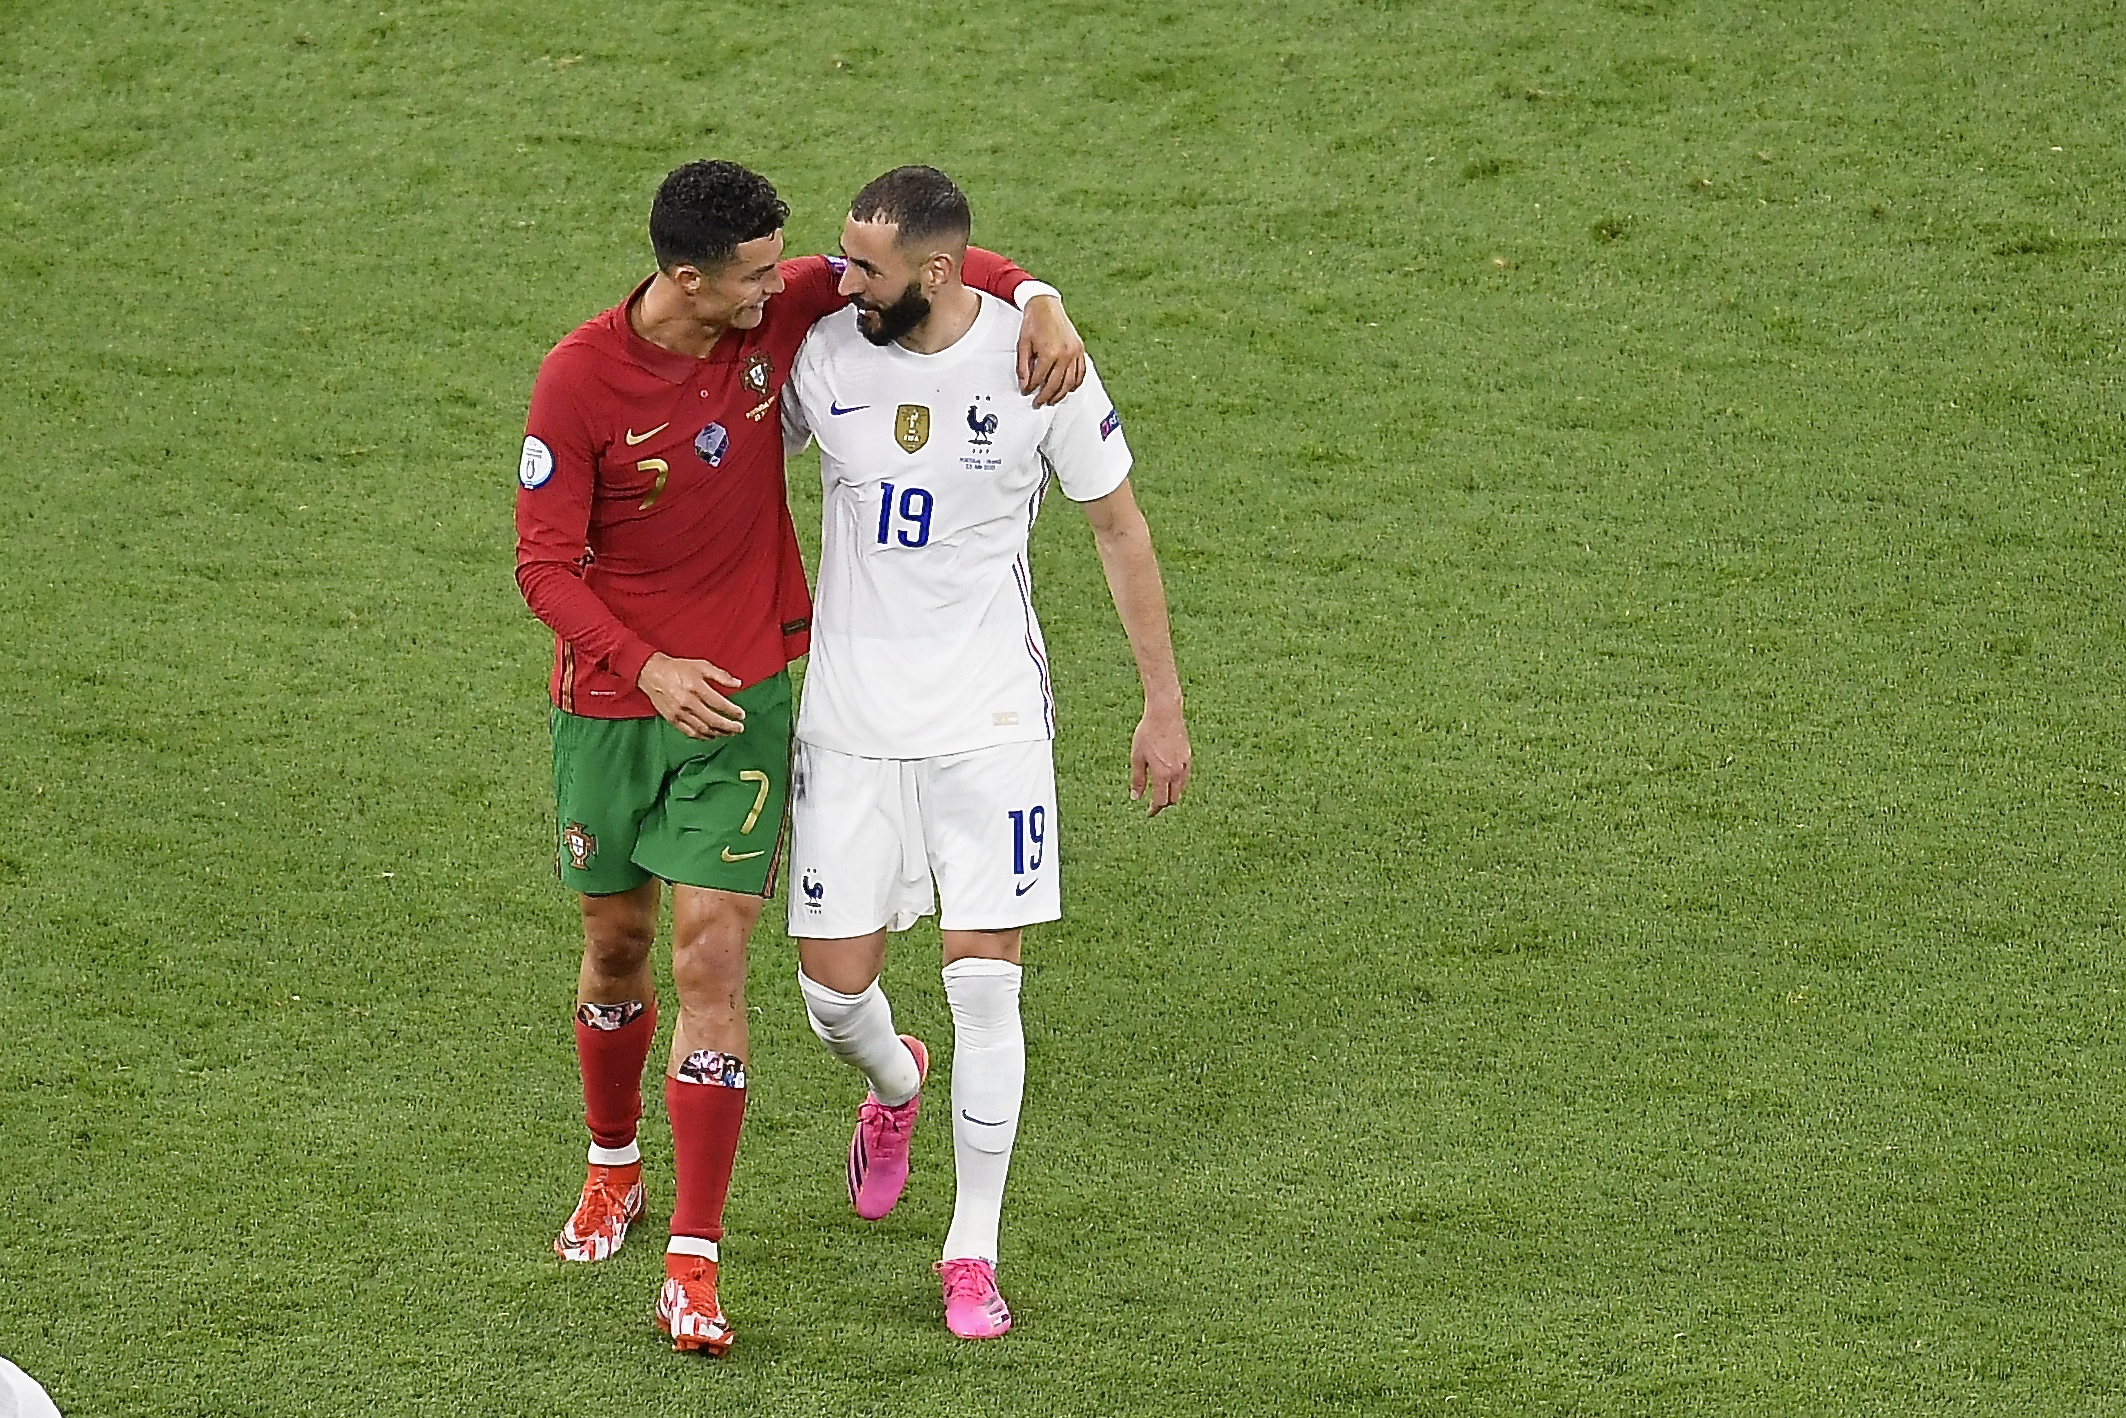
x: 911, y: 427
x: 755, y: 374
x: 582, y: 848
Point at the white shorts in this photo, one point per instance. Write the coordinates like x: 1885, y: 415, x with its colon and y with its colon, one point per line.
x: 867, y: 835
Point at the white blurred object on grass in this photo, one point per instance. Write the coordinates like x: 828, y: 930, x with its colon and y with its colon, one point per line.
x: 22, y: 1396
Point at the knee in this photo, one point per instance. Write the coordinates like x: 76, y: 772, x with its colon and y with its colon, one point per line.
x: 706, y: 980
x: 709, y: 963
x: 847, y: 967
x: 617, y: 947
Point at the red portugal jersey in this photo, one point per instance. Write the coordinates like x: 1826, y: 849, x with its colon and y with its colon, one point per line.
x: 652, y: 514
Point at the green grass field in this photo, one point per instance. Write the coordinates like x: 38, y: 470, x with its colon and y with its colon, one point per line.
x: 1639, y: 484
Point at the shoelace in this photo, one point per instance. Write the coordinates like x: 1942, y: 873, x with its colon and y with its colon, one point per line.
x: 964, y: 1280
x: 603, y: 1205
x: 878, y: 1115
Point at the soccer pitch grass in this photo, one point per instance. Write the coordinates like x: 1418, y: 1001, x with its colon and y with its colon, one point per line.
x: 1639, y: 486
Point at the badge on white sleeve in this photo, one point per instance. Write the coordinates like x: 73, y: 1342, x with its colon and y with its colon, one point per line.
x: 537, y: 465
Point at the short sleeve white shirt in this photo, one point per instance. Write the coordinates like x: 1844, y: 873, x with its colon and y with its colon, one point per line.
x: 924, y: 639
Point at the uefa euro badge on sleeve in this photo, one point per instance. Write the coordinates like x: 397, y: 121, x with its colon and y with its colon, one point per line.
x: 911, y: 427
x: 537, y: 464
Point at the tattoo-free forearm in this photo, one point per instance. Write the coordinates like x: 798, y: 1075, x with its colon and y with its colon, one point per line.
x: 1132, y: 568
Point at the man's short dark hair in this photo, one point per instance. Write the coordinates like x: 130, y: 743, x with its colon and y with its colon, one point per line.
x: 924, y: 203
x: 706, y: 209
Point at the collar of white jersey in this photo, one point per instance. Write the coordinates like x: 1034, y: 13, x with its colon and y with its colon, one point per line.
x: 976, y: 335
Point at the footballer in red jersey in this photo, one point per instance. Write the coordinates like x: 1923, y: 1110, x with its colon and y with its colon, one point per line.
x: 654, y: 538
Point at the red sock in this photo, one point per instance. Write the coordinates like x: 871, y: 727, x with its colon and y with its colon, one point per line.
x: 705, y: 1120
x: 612, y: 1061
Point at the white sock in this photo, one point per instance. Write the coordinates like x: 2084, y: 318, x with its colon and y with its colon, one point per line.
x: 858, y: 1030
x: 988, y: 1082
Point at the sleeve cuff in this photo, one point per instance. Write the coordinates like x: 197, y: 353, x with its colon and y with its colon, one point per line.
x: 1029, y: 289
x: 628, y: 660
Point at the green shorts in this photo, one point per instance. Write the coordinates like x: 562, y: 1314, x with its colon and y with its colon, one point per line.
x: 636, y: 798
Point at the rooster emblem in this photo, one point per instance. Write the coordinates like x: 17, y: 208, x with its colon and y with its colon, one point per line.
x: 982, y: 424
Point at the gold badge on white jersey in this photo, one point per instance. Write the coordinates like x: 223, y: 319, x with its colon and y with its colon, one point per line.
x: 911, y: 427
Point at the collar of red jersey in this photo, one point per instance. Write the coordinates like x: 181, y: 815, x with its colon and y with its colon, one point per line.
x: 668, y: 365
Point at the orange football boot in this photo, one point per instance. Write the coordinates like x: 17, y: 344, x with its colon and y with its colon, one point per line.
x: 687, y: 1310
x: 612, y: 1199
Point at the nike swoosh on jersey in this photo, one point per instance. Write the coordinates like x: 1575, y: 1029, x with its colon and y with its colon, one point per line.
x: 730, y: 856
x: 635, y: 439
x: 982, y: 1122
x: 837, y: 410
x: 1022, y: 890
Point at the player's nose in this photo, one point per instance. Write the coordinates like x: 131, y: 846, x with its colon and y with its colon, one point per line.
x: 851, y: 282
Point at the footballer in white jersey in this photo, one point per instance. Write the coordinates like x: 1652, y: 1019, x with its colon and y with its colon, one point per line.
x: 924, y: 735
x: 933, y: 466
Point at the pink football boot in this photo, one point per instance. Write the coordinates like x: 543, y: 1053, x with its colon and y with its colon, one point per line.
x: 973, y: 1308
x: 878, y: 1152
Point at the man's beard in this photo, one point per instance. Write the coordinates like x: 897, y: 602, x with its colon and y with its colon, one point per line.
x: 883, y: 324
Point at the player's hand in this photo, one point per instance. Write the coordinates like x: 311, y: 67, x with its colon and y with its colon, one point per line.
x: 686, y: 693
x: 1051, y: 356
x: 1159, y: 758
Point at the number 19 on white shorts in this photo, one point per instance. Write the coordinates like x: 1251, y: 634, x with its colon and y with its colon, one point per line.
x: 867, y: 835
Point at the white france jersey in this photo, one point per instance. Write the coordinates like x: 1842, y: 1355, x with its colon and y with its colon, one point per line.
x: 924, y: 640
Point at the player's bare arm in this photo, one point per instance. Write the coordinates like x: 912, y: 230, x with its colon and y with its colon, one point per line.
x: 687, y: 693
x: 1159, y: 750
x: 1051, y: 355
